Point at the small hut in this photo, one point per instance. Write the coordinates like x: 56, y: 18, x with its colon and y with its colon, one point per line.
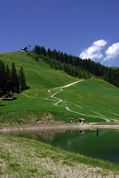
x: 79, y: 120
x: 8, y: 97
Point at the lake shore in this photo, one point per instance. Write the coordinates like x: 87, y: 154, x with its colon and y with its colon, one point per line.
x: 44, y: 127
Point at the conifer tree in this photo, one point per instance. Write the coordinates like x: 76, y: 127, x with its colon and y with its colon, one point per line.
x: 10, y: 82
x: 14, y: 79
x: 8, y: 79
x: 3, y: 78
x: 22, y: 80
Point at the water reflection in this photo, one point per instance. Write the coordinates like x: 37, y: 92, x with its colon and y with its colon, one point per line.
x: 101, y: 144
x: 97, y: 132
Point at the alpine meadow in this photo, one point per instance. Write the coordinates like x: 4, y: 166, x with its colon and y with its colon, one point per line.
x: 59, y: 89
x: 53, y: 98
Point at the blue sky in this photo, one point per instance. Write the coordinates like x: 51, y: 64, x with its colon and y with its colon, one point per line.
x: 72, y: 26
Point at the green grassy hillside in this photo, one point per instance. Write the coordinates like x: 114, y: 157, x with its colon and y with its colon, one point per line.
x: 92, y: 100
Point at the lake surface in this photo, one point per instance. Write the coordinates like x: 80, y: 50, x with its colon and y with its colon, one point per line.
x: 101, y: 144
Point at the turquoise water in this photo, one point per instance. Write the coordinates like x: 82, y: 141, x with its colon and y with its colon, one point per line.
x: 101, y: 144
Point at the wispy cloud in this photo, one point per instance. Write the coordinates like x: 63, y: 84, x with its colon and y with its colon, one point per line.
x: 94, y: 51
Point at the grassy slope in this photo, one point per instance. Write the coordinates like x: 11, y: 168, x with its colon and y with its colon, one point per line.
x: 40, y: 77
x: 93, y: 98
x: 86, y: 97
x: 20, y: 157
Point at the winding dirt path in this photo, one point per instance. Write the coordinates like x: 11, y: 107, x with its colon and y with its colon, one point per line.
x: 58, y: 101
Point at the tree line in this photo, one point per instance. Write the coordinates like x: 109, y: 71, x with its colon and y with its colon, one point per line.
x: 11, y: 81
x: 68, y: 68
x: 112, y: 76
x: 59, y: 60
x: 76, y: 66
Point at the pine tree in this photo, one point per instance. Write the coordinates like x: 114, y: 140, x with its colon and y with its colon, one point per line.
x: 2, y: 78
x: 22, y: 80
x: 14, y: 79
x: 8, y: 79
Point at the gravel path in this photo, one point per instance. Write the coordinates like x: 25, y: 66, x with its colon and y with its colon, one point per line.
x: 57, y: 101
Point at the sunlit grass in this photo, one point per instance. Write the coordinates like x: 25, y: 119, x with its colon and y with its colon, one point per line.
x: 94, y: 99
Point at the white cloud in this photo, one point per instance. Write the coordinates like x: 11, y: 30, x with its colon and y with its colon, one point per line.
x: 94, y: 51
x: 100, y: 43
x: 112, y: 52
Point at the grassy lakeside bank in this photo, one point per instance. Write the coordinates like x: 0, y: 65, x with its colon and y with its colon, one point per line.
x: 58, y: 127
x: 21, y: 157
